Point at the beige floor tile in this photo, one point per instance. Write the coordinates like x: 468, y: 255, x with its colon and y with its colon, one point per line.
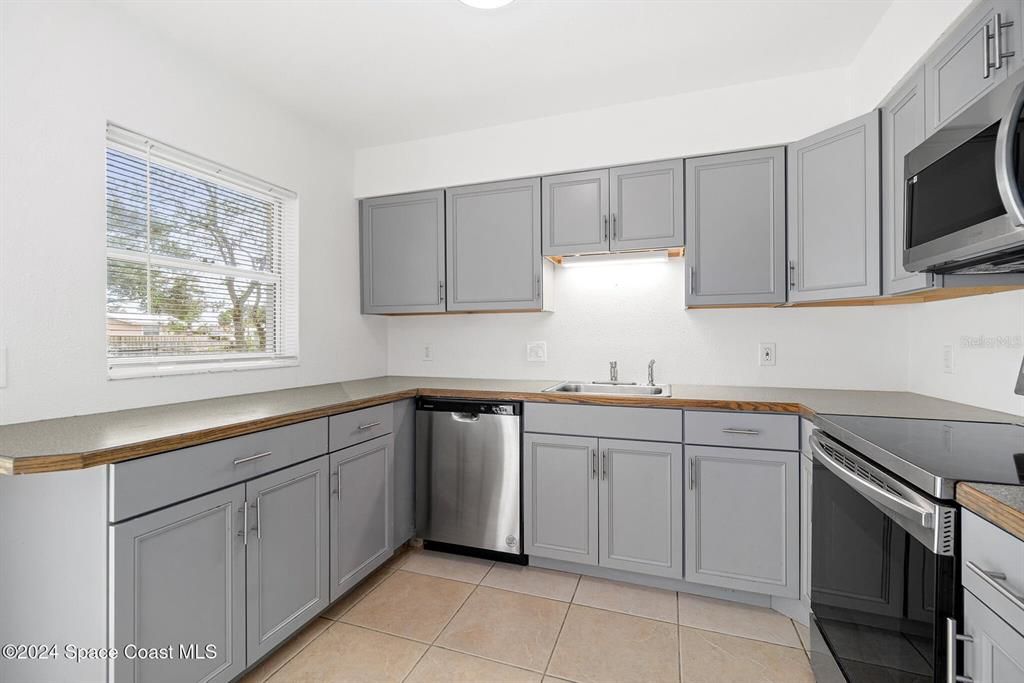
x: 410, y: 605
x: 709, y: 657
x: 804, y: 634
x: 349, y: 600
x: 288, y: 649
x: 445, y: 666
x: 596, y: 646
x: 348, y: 653
x: 508, y: 627
x: 733, y: 618
x: 456, y: 567
x: 639, y: 601
x: 543, y: 583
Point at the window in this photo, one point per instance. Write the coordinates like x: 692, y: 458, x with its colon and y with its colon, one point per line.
x: 201, y: 264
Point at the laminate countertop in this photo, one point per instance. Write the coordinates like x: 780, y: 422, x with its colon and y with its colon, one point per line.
x: 1001, y: 504
x: 89, y: 440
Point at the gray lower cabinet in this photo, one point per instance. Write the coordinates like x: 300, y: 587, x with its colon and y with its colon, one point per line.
x: 493, y: 246
x: 360, y: 491
x: 834, y: 215
x: 806, y: 497
x: 576, y: 215
x: 742, y: 519
x: 736, y: 228
x: 996, y: 653
x: 903, y: 128
x: 403, y: 473
x: 178, y: 576
x: 965, y: 64
x: 641, y: 507
x: 286, y: 554
x: 402, y: 253
x: 647, y: 206
x: 560, y: 494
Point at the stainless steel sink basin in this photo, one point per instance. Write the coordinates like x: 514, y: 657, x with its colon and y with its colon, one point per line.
x: 607, y: 389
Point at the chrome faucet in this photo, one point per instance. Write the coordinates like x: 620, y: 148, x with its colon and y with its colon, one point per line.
x: 613, y: 371
x: 650, y: 373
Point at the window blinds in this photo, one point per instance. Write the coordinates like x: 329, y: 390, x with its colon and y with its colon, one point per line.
x: 201, y: 262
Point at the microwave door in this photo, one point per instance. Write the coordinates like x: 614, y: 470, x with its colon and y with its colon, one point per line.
x: 1009, y: 159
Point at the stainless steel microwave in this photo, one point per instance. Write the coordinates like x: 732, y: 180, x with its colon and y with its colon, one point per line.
x: 963, y: 211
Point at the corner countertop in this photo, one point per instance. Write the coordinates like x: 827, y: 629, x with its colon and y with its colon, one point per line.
x: 89, y: 440
x: 1001, y: 504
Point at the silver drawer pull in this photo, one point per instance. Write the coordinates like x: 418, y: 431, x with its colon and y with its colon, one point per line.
x: 370, y: 425
x: 239, y: 461
x: 744, y: 432
x: 997, y: 581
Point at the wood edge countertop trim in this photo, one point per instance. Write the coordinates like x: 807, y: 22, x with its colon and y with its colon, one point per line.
x: 37, y: 464
x: 1004, y: 516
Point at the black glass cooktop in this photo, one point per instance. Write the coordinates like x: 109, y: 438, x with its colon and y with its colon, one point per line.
x: 934, y: 454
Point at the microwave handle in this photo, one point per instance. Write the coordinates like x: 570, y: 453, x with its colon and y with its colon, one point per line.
x: 1006, y: 170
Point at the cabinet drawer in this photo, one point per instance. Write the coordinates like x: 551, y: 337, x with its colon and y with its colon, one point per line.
x: 145, y: 484
x: 645, y: 424
x: 745, y: 430
x: 361, y: 425
x: 988, y: 552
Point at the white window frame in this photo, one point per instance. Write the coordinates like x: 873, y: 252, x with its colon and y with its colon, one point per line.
x: 287, y: 280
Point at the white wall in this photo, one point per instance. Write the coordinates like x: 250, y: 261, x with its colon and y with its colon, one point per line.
x: 65, y: 70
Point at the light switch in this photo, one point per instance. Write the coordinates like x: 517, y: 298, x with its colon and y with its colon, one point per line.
x: 537, y: 352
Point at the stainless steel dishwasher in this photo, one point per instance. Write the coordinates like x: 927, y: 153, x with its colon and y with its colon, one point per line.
x: 468, y: 477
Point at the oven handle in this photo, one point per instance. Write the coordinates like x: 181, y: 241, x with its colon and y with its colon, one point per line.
x: 1006, y: 172
x: 868, y: 489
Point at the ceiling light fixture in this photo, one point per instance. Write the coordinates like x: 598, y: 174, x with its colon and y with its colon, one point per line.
x: 615, y: 259
x: 485, y: 4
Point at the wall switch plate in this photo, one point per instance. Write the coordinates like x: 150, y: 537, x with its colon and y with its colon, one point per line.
x: 537, y: 352
x: 428, y: 352
x: 947, y: 359
x: 766, y: 353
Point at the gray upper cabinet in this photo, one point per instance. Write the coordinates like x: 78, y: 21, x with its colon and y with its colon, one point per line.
x: 964, y: 66
x: 360, y: 494
x: 286, y: 554
x: 641, y: 507
x: 575, y: 219
x: 647, y: 206
x: 402, y: 250
x: 493, y: 242
x: 742, y: 519
x: 834, y: 214
x: 178, y: 576
x: 996, y: 653
x: 560, y: 497
x: 736, y: 228
x: 903, y: 128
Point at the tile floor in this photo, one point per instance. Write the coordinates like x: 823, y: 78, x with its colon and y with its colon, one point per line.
x: 427, y: 616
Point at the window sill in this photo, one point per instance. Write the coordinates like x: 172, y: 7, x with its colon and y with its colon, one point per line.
x: 129, y: 371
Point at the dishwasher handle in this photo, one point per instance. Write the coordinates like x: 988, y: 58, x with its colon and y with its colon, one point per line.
x: 466, y: 417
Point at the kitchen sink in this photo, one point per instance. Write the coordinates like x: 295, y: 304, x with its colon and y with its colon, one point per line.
x: 609, y: 389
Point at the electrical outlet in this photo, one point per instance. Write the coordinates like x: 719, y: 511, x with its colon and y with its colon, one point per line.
x: 947, y: 359
x: 766, y: 353
x: 537, y: 352
x: 428, y: 352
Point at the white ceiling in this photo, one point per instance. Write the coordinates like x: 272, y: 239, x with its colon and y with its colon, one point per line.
x: 383, y: 71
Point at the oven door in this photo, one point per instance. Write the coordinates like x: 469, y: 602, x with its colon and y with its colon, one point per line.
x: 883, y: 578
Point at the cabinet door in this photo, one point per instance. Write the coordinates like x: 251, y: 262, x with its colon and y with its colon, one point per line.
x: 903, y: 129
x: 402, y: 247
x: 360, y: 512
x: 997, y: 653
x: 736, y: 228
x: 286, y: 556
x: 834, y: 213
x: 575, y: 219
x: 493, y: 235
x: 641, y: 507
x: 742, y: 519
x: 647, y: 206
x: 560, y: 497
x: 178, y: 577
x: 956, y: 69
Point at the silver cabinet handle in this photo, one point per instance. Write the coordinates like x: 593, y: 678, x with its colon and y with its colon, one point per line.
x: 250, y: 458
x: 335, y: 481
x: 605, y: 218
x: 997, y: 581
x: 593, y: 463
x: 997, y: 50
x: 952, y: 638
x: 693, y: 274
x: 792, y: 274
x: 537, y: 288
x: 987, y: 69
x: 369, y: 425
x: 440, y: 291
x: 244, y: 531
x: 604, y: 464
x: 259, y: 519
x: 615, y: 229
x: 744, y: 432
x: 693, y: 473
